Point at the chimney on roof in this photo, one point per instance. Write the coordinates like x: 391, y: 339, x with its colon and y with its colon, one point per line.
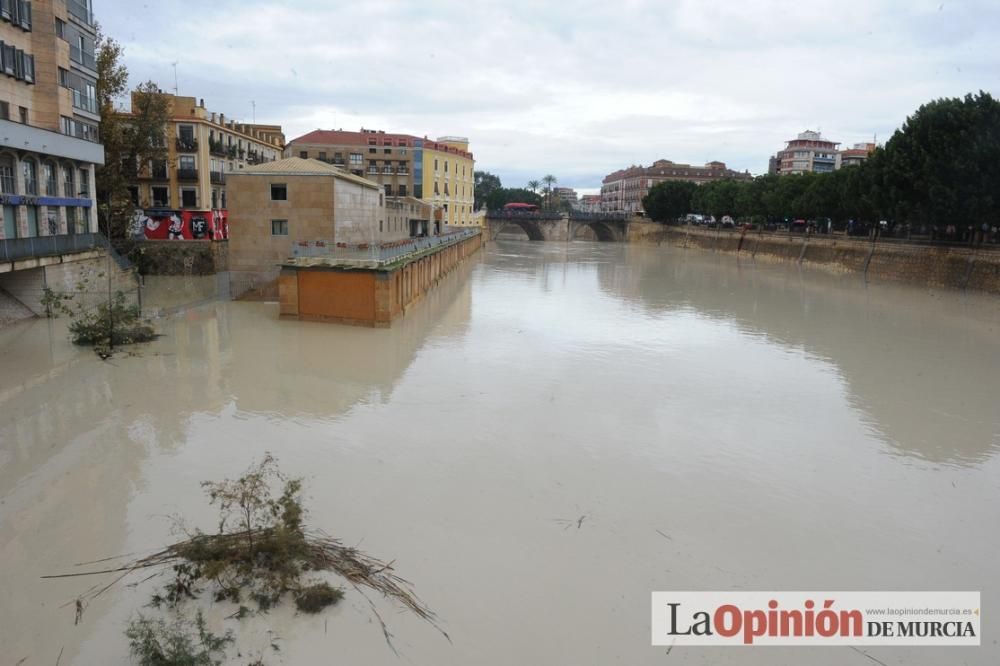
x: 222, y: 119
x: 201, y: 102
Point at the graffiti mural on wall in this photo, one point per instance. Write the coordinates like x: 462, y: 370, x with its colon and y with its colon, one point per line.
x: 181, y: 224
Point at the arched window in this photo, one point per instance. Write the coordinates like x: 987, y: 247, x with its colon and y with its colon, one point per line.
x: 49, y: 172
x: 8, y: 184
x: 69, y: 186
x: 30, y: 176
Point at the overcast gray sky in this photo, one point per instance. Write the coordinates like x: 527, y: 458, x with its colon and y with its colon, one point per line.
x: 576, y: 89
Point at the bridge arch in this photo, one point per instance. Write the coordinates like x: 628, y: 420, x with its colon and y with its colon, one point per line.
x: 604, y: 232
x: 530, y: 227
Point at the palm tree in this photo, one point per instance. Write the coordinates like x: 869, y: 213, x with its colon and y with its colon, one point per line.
x: 533, y: 185
x: 549, y: 181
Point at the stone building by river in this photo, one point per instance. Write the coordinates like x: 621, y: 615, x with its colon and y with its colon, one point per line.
x: 276, y: 205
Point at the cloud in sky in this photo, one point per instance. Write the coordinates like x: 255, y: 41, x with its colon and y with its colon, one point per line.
x: 576, y: 89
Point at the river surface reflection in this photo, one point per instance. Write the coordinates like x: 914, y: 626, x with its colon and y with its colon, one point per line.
x: 716, y: 425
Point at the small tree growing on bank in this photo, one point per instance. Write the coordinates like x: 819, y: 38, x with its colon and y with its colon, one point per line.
x: 103, y: 323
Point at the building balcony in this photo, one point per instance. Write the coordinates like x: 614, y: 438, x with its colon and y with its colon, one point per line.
x: 84, y: 103
x: 218, y: 148
x: 48, y: 142
x: 187, y: 174
x: 81, y: 11
x: 82, y: 58
x: 217, y: 177
x: 185, y: 145
x: 159, y: 174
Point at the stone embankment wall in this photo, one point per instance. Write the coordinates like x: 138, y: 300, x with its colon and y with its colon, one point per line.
x: 84, y: 275
x: 976, y: 268
x: 177, y: 257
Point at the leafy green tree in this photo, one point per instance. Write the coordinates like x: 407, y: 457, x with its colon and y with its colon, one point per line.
x: 485, y: 182
x: 717, y: 198
x: 130, y: 139
x: 669, y: 200
x: 789, y: 195
x: 534, y: 185
x: 943, y: 165
x: 499, y: 198
x: 748, y: 200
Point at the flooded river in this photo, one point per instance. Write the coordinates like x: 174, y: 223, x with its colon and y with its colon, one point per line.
x: 552, y: 434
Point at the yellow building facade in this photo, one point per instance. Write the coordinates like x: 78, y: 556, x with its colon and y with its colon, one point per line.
x: 438, y: 172
x: 448, y: 180
x: 203, y: 149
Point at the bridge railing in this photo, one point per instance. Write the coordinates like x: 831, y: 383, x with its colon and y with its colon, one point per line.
x: 604, y: 217
x: 523, y: 215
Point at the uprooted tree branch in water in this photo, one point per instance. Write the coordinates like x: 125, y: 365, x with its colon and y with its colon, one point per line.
x: 261, y: 554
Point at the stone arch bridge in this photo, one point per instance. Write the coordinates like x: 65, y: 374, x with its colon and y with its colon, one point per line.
x: 541, y: 226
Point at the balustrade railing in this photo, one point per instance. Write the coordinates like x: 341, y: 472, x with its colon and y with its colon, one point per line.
x: 381, y: 253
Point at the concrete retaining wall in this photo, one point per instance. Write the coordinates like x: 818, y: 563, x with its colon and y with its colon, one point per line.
x: 175, y: 257
x: 67, y: 276
x: 921, y: 265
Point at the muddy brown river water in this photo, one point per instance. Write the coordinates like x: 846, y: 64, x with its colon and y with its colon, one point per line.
x: 555, y: 432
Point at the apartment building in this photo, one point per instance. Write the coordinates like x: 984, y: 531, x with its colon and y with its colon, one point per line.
x: 809, y: 152
x: 438, y: 172
x: 624, y: 190
x: 49, y: 119
x: 590, y: 203
x: 185, y: 196
x: 567, y: 194
x: 49, y: 126
x: 856, y: 155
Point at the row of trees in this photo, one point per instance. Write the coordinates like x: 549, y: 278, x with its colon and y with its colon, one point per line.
x: 941, y: 167
x: 547, y: 187
x: 492, y: 195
